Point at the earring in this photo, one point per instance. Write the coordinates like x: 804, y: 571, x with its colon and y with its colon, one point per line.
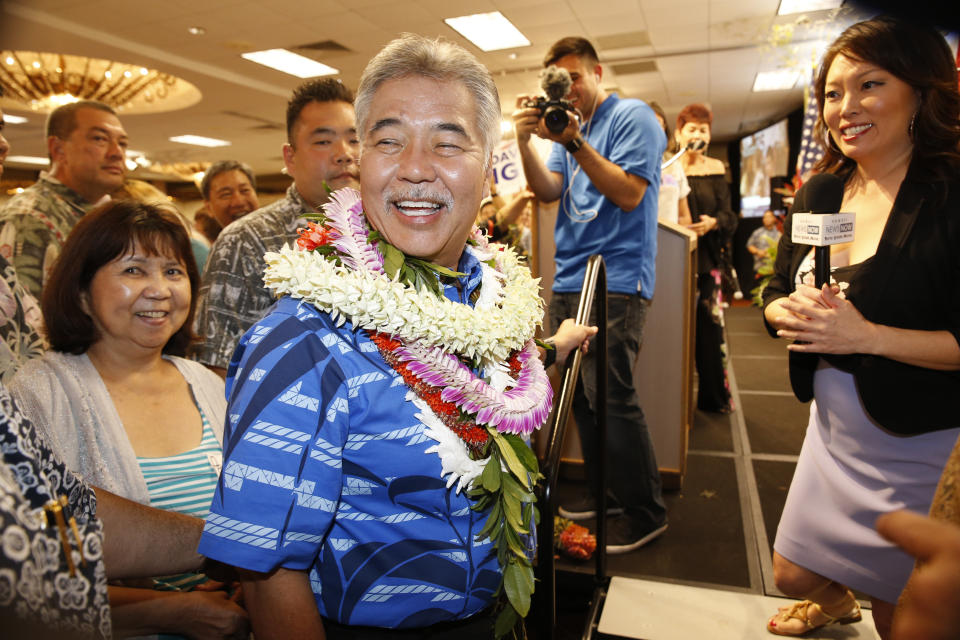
x: 911, y: 130
x: 832, y: 144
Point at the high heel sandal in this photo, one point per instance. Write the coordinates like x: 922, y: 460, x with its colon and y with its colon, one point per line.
x: 802, y: 610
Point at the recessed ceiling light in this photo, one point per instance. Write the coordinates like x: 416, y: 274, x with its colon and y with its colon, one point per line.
x: 788, y: 7
x: 199, y: 141
x: 776, y: 80
x: 196, y: 31
x: 136, y: 159
x: 28, y: 160
x: 489, y: 31
x: 12, y: 119
x: 290, y: 62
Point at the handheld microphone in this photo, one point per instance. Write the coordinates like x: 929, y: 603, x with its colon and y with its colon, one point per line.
x: 822, y: 226
x: 693, y: 145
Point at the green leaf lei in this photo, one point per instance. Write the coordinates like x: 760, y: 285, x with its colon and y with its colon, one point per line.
x: 506, y: 488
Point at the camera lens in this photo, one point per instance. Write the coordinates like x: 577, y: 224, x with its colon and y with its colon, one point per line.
x: 556, y: 119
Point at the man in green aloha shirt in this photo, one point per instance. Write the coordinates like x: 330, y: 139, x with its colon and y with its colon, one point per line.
x: 86, y: 144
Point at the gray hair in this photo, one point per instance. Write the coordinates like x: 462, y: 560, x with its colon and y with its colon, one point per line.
x: 413, y: 55
x: 222, y: 167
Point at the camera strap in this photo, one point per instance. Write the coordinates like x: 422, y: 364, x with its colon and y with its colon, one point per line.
x: 573, y: 167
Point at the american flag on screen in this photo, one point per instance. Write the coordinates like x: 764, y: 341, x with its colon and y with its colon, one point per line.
x: 810, y: 150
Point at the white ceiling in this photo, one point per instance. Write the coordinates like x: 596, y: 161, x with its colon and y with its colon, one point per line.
x: 704, y: 50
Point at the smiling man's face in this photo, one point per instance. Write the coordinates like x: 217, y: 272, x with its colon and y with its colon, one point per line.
x: 422, y: 166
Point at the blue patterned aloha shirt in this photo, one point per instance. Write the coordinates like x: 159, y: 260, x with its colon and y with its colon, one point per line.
x: 326, y: 471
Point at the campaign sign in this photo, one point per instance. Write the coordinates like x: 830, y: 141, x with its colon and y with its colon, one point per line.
x: 507, y: 168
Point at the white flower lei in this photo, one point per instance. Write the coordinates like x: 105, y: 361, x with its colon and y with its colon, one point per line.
x: 505, y: 317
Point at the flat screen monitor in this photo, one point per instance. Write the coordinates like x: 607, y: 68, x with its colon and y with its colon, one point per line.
x: 763, y: 155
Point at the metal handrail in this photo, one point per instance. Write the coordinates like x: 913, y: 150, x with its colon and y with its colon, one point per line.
x: 594, y: 291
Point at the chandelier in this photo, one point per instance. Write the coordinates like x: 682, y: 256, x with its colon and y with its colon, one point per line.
x: 45, y: 81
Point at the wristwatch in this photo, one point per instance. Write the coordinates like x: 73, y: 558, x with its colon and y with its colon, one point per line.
x: 574, y: 145
x: 550, y: 355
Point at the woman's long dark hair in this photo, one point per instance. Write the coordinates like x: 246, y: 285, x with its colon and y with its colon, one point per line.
x: 920, y: 57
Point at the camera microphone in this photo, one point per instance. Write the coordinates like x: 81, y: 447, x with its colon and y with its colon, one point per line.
x: 556, y: 83
x: 822, y: 226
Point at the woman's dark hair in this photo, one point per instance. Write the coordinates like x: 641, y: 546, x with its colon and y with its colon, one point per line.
x: 920, y: 57
x: 100, y: 237
x: 657, y: 109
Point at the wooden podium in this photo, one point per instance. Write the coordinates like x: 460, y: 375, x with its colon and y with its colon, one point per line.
x: 663, y: 372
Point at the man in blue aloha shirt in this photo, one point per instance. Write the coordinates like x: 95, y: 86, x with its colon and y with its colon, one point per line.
x: 333, y: 500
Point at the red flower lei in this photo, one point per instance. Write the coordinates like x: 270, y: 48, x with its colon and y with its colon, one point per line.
x: 474, y: 436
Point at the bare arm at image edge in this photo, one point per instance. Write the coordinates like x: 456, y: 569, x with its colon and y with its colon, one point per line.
x: 143, y: 541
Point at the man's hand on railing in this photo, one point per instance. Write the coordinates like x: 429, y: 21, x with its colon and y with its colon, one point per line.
x: 569, y: 336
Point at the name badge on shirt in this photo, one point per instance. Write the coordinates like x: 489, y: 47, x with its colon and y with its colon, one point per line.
x: 216, y: 462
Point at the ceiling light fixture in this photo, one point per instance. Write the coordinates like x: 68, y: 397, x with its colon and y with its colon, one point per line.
x: 488, y: 31
x: 776, y: 80
x: 135, y: 160
x: 9, y: 118
x: 290, y: 62
x: 788, y: 7
x: 200, y: 141
x: 28, y: 160
x: 196, y: 31
x: 45, y: 81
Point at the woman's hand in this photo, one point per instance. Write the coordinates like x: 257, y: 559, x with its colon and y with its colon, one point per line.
x: 823, y: 322
x: 705, y: 225
x: 233, y: 589
x: 782, y: 309
x: 210, y: 615
x: 203, y: 615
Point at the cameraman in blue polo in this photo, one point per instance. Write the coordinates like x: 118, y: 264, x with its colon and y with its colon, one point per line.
x: 605, y: 171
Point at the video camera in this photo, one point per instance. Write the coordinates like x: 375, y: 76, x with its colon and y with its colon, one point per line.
x: 556, y: 83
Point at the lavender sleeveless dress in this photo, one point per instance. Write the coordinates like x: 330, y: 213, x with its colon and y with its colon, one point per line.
x: 850, y: 472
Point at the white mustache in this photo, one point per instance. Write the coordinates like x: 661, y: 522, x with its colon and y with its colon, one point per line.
x: 418, y: 195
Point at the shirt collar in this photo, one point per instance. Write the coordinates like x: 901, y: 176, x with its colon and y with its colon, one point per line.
x: 298, y: 203
x: 465, y: 284
x: 64, y: 191
x: 601, y: 111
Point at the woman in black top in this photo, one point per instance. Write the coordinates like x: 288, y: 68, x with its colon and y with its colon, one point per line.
x: 714, y: 222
